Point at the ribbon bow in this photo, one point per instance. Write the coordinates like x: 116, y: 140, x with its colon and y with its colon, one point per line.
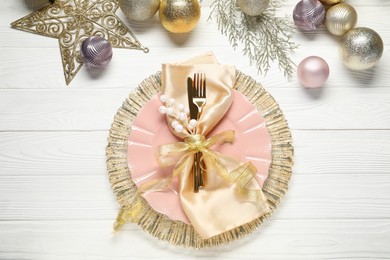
x: 180, y: 153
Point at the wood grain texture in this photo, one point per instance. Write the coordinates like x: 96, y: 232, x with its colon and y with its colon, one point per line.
x: 149, y: 31
x: 83, y: 153
x: 76, y: 109
x: 55, y: 198
x: 44, y: 70
x: 79, y: 197
x: 26, y: 53
x: 62, y: 176
x: 278, y: 239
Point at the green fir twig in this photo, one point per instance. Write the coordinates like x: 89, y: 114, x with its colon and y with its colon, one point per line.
x: 265, y: 38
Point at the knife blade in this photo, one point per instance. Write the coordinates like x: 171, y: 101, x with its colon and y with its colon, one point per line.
x: 192, y: 107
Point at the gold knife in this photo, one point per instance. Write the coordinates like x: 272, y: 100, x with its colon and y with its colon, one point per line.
x: 193, y: 115
x: 193, y: 108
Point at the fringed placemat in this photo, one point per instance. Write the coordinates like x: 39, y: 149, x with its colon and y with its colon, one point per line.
x: 177, y: 232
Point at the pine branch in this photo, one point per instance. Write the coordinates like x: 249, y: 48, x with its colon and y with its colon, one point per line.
x: 264, y: 39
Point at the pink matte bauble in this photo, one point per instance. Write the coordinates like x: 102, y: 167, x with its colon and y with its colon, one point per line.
x: 313, y: 72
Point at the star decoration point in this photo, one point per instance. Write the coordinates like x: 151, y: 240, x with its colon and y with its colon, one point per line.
x: 72, y: 21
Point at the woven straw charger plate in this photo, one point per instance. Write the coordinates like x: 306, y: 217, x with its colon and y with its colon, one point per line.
x: 177, y: 232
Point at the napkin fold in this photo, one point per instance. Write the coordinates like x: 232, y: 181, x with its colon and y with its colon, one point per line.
x: 217, y: 207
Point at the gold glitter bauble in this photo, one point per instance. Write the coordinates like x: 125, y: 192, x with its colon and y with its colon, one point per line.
x: 340, y: 19
x: 139, y: 10
x: 361, y: 48
x: 330, y: 2
x: 179, y: 16
x: 253, y: 7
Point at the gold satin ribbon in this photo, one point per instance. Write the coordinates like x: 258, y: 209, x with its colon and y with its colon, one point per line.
x: 129, y: 213
x: 179, y: 153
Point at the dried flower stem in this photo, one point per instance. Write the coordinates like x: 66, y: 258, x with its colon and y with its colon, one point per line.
x: 265, y: 38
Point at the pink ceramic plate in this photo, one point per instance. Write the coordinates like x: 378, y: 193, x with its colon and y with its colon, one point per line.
x: 149, y: 130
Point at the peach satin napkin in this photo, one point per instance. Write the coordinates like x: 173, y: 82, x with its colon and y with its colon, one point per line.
x: 218, y: 207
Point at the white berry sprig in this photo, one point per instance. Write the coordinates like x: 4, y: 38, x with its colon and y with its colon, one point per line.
x: 179, y: 115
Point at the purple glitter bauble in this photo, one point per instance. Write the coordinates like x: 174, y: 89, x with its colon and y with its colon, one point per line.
x: 309, y: 15
x: 96, y: 52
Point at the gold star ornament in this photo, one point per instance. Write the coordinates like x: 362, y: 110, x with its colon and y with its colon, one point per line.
x: 72, y: 21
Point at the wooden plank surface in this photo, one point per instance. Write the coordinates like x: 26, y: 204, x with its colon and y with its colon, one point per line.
x: 62, y: 175
x: 317, y: 152
x: 76, y: 109
x: 79, y: 197
x: 125, y: 72
x: 282, y: 239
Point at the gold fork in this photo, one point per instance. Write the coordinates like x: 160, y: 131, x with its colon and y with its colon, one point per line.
x: 199, y: 99
x: 199, y: 93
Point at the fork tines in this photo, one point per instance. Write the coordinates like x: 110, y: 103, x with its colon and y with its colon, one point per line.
x: 199, y: 91
x: 199, y: 85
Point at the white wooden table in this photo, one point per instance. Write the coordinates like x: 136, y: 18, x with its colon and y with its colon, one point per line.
x: 55, y: 198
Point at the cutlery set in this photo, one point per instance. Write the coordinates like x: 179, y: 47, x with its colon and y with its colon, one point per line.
x: 196, y: 90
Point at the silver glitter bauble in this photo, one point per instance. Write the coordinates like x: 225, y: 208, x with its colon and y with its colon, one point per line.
x: 361, y: 48
x: 253, y: 7
x: 139, y: 10
x: 340, y: 19
x: 309, y: 15
x: 96, y: 52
